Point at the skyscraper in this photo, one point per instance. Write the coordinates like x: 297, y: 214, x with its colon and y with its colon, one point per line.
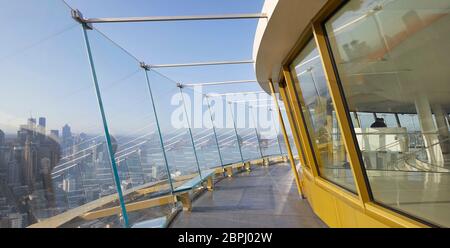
x: 40, y: 130
x: 42, y: 121
x: 30, y: 162
x: 2, y: 138
x: 66, y: 132
x: 67, y: 139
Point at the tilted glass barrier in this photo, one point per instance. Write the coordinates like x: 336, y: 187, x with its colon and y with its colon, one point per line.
x: 173, y: 121
x: 234, y: 118
x: 249, y: 143
x: 203, y: 131
x: 132, y: 125
x: 391, y: 57
x: 320, y: 118
x: 248, y: 136
x: 267, y: 129
x: 53, y: 152
x: 225, y: 128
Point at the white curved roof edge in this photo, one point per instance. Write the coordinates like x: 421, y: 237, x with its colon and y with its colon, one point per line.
x: 277, y: 35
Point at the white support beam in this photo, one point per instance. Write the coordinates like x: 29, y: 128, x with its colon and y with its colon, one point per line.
x: 203, y: 64
x: 236, y: 93
x: 254, y: 100
x: 175, y: 18
x: 220, y: 83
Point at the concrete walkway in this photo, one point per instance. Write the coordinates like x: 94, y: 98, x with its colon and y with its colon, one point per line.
x: 265, y: 197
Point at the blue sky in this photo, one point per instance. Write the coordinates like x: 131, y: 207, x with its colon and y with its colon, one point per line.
x: 182, y: 42
x: 44, y: 69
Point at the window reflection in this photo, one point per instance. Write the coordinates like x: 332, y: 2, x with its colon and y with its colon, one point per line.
x: 320, y: 117
x: 392, y: 58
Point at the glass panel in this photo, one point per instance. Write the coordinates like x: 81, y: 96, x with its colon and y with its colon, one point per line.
x: 277, y: 130
x: 388, y: 119
x: 276, y: 119
x: 294, y: 128
x: 231, y: 108
x: 448, y: 121
x: 58, y: 161
x: 174, y: 128
x: 366, y: 119
x: 289, y: 130
x: 355, y: 119
x: 283, y: 143
x: 246, y: 131
x: 410, y: 122
x: 266, y: 129
x: 320, y: 119
x: 226, y: 134
x: 202, y: 129
x: 132, y: 125
x: 392, y: 57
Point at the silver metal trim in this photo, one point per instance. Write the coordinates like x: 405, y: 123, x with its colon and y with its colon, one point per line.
x: 220, y: 83
x: 176, y: 18
x: 235, y: 93
x: 203, y: 64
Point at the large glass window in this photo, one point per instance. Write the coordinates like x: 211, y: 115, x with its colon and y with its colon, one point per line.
x: 320, y: 118
x: 392, y: 57
x: 388, y: 118
x: 289, y: 119
x: 365, y: 119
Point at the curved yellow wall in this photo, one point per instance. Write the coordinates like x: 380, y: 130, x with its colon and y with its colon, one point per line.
x: 341, y: 209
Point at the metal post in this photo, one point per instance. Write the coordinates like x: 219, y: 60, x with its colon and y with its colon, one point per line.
x: 357, y: 119
x: 158, y: 127
x: 276, y: 131
x: 105, y: 126
x: 190, y: 131
x: 235, y: 131
x: 256, y: 131
x: 286, y: 140
x: 215, y: 133
x: 399, y: 124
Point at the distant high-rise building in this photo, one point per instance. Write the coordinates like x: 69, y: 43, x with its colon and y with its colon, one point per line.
x: 67, y: 138
x: 41, y: 131
x: 42, y: 121
x: 14, y: 176
x: 66, y: 132
x: 2, y: 138
x: 30, y: 162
